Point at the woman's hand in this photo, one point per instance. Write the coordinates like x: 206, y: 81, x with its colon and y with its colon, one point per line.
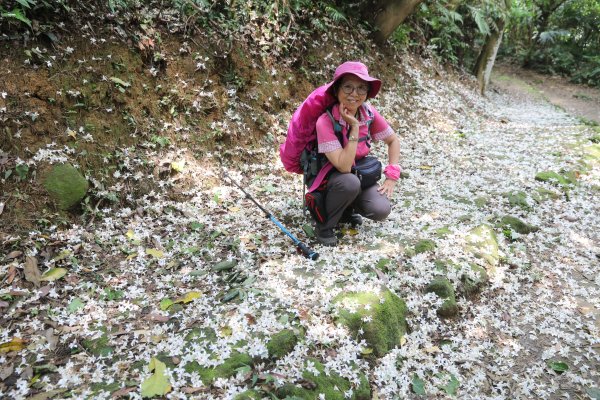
x: 387, y: 188
x: 350, y: 119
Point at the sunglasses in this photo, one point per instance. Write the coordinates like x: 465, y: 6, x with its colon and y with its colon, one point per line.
x: 361, y: 90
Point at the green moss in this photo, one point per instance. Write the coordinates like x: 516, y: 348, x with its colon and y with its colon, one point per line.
x: 444, y: 289
x: 248, y: 395
x: 481, y: 202
x: 554, y: 178
x: 425, y: 245
x: 518, y: 199
x: 66, y: 186
x: 473, y: 284
x: 591, y: 153
x: 483, y: 243
x: 98, y: 347
x: 282, y: 343
x: 517, y: 225
x: 332, y: 386
x: 386, y: 320
x: 542, y: 194
x: 197, y: 335
x: 595, y: 139
x: 443, y: 232
x: 100, y: 387
x: 227, y: 369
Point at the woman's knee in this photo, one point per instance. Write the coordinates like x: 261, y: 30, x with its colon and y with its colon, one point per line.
x: 375, y: 206
x: 346, y: 183
x: 381, y: 211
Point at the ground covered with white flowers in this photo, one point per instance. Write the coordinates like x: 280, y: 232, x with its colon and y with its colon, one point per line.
x: 182, y: 296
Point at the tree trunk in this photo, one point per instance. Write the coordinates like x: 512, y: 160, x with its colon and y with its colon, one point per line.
x: 391, y: 13
x: 487, y: 57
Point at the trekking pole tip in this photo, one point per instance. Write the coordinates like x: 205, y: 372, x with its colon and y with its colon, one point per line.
x: 307, y: 252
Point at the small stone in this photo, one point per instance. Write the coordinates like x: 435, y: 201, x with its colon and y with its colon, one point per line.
x: 517, y: 225
x: 444, y: 289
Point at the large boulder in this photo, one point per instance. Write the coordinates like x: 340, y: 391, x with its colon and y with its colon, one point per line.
x: 378, y: 318
x: 483, y: 243
x: 66, y: 186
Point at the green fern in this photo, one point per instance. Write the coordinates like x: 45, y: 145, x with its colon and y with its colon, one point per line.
x: 479, y: 18
x: 335, y: 14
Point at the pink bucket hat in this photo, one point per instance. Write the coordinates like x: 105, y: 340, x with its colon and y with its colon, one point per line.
x: 359, y: 70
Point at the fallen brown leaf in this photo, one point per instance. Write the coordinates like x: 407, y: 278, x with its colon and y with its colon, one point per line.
x: 48, y: 395
x: 251, y: 319
x: 6, y: 371
x: 14, y: 254
x: 192, y: 390
x: 51, y: 338
x: 157, y: 317
x: 44, y: 290
x: 122, y: 392
x: 32, y: 273
x: 10, y: 276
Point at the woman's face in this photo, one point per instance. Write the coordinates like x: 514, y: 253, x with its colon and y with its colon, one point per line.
x: 352, y: 92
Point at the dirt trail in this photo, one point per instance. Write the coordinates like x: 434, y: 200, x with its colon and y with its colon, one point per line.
x: 578, y: 100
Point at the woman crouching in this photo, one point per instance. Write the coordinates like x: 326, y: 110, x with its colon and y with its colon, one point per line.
x: 345, y: 199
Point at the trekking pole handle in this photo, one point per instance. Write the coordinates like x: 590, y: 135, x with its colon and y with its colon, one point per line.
x: 307, y: 252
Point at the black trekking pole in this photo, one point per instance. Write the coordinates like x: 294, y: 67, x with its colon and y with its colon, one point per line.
x: 306, y: 252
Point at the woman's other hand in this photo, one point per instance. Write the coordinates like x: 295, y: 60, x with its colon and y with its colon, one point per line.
x: 387, y: 188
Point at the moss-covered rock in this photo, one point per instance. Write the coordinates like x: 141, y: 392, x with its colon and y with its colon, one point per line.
x: 518, y: 225
x: 282, y: 343
x: 424, y: 246
x: 554, y: 178
x: 483, y: 243
x: 518, y: 199
x: 66, y: 186
x: 227, y: 369
x: 379, y: 316
x: 473, y: 281
x: 332, y: 386
x: 542, y: 194
x: 444, y: 289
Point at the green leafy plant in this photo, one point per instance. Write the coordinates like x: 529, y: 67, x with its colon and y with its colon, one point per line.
x: 19, y: 13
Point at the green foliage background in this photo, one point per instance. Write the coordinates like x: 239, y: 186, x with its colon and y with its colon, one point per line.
x: 552, y: 36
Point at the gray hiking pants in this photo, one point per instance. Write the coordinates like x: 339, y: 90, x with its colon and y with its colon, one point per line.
x: 343, y: 190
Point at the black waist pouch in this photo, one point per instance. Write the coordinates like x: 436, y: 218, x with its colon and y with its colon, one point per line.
x: 368, y: 170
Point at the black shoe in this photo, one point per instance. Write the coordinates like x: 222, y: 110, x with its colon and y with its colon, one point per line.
x: 326, y: 237
x: 351, y: 218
